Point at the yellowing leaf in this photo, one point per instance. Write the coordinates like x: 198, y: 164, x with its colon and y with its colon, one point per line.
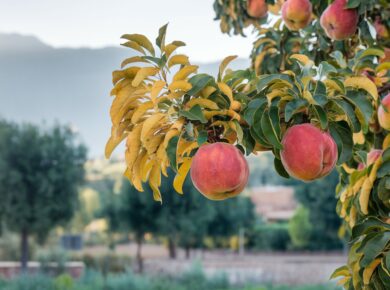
x: 140, y: 111
x: 140, y: 39
x: 226, y: 90
x: 156, y: 90
x: 358, y: 138
x: 181, y: 175
x: 204, y: 103
x: 132, y: 60
x: 171, y: 47
x: 207, y: 91
x: 364, y: 84
x: 386, y: 142
x: 180, y: 85
x: 136, y: 172
x: 143, y: 73
x: 150, y: 125
x: 367, y: 273
x: 133, y: 146
x: 178, y: 59
x: 224, y: 64
x: 155, y: 181
x: 134, y: 45
x: 303, y: 59
x: 185, y: 72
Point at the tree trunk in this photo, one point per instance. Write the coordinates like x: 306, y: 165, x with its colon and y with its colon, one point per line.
x: 171, y: 248
x: 188, y: 252
x: 24, y: 251
x: 140, y: 262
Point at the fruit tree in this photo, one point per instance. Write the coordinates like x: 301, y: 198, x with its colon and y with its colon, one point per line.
x: 316, y: 96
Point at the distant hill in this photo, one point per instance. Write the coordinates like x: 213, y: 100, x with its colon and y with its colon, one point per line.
x: 39, y: 83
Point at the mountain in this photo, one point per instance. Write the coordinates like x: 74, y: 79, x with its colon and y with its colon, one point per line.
x: 39, y: 83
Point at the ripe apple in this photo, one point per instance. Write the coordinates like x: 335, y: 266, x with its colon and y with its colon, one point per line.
x: 308, y: 152
x: 384, y: 113
x: 296, y: 14
x: 372, y: 156
x: 257, y: 8
x: 339, y: 22
x: 219, y: 171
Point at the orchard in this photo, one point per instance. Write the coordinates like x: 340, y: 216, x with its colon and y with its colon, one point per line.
x: 317, y: 95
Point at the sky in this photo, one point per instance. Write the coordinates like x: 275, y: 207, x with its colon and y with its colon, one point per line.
x: 99, y: 23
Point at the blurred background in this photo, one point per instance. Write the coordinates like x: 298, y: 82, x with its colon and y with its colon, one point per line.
x: 69, y: 212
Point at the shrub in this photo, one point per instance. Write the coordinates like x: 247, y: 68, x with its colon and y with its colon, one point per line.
x: 269, y: 237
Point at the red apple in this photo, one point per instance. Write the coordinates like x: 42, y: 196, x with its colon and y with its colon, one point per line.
x: 384, y: 113
x: 296, y: 14
x: 257, y: 8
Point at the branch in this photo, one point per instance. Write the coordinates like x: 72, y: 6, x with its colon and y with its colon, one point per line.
x: 385, y: 88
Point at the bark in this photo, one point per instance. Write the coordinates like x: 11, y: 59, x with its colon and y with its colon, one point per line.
x: 140, y: 261
x: 172, y: 248
x: 24, y: 251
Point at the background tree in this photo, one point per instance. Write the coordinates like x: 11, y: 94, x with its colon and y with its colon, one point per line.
x: 300, y: 228
x: 42, y: 169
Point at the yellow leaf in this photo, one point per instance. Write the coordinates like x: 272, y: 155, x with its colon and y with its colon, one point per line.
x: 117, y: 136
x: 142, y: 40
x: 129, y: 73
x: 185, y: 72
x: 226, y: 90
x: 204, y: 103
x: 362, y: 83
x: 180, y: 85
x: 136, y: 172
x: 383, y: 66
x: 308, y: 96
x: 134, y: 45
x: 133, y: 146
x: 332, y: 85
x: 224, y: 64
x: 146, y: 166
x: 303, y: 59
x: 230, y: 113
x: 171, y: 47
x: 155, y: 181
x: 140, y: 111
x: 156, y: 90
x: 181, y: 175
x: 178, y: 59
x: 386, y: 142
x: 358, y: 138
x: 367, y: 273
x: 150, y: 124
x: 171, y: 133
x: 151, y: 144
x: 365, y: 195
x: 207, y: 91
x: 132, y: 60
x: 143, y: 73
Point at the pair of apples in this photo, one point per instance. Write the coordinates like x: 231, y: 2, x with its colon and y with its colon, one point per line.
x: 338, y: 22
x: 220, y: 171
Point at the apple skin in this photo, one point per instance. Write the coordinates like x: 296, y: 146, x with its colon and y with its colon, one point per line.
x: 308, y: 153
x: 338, y: 22
x: 257, y: 8
x: 219, y: 171
x: 386, y: 57
x: 296, y: 14
x: 372, y: 156
x: 381, y: 29
x: 384, y: 113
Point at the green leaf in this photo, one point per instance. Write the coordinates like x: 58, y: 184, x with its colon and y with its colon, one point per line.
x: 384, y: 170
x: 353, y: 4
x: 269, y: 130
x: 320, y: 95
x: 160, y: 41
x: 342, y: 135
x: 171, y: 152
x: 374, y: 247
x: 350, y: 113
x: 199, y: 82
x: 266, y: 80
x: 325, y: 69
x: 293, y: 107
x: 339, y: 57
x: 368, y: 225
x: 251, y: 109
x: 256, y: 128
x: 363, y: 106
x: 280, y: 168
x: 202, y: 137
x: 194, y: 114
x: 321, y: 115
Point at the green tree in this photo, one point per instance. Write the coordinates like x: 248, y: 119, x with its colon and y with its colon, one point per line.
x: 300, y: 228
x: 40, y: 174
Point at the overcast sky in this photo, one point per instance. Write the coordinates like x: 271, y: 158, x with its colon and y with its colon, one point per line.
x: 98, y: 23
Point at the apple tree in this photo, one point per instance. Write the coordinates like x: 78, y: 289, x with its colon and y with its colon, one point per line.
x: 316, y: 96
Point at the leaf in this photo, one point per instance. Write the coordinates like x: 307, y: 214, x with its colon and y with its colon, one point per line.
x: 342, y: 135
x: 225, y: 89
x: 339, y: 57
x: 384, y: 170
x: 181, y: 175
x: 320, y: 95
x: 140, y: 111
x: 224, y: 64
x: 267, y: 80
x: 202, y: 137
x: 321, y: 115
x: 143, y: 73
x: 185, y: 72
x: 339, y: 272
x: 204, y: 103
x: 374, y: 247
x: 178, y: 59
x: 353, y: 4
x: 293, y: 107
x: 363, y: 105
x: 363, y: 83
x: 280, y: 168
x: 252, y: 108
x: 142, y: 40
x: 160, y: 41
x: 200, y: 82
x: 156, y: 89
x: 180, y: 85
x: 304, y: 60
x: 134, y: 45
x: 155, y: 182
x: 350, y: 114
x: 194, y: 114
x: 367, y: 273
x: 171, y: 152
x: 269, y: 131
x: 133, y: 60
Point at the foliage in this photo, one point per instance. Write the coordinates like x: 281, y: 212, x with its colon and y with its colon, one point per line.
x: 269, y: 237
x: 300, y: 228
x: 296, y: 77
